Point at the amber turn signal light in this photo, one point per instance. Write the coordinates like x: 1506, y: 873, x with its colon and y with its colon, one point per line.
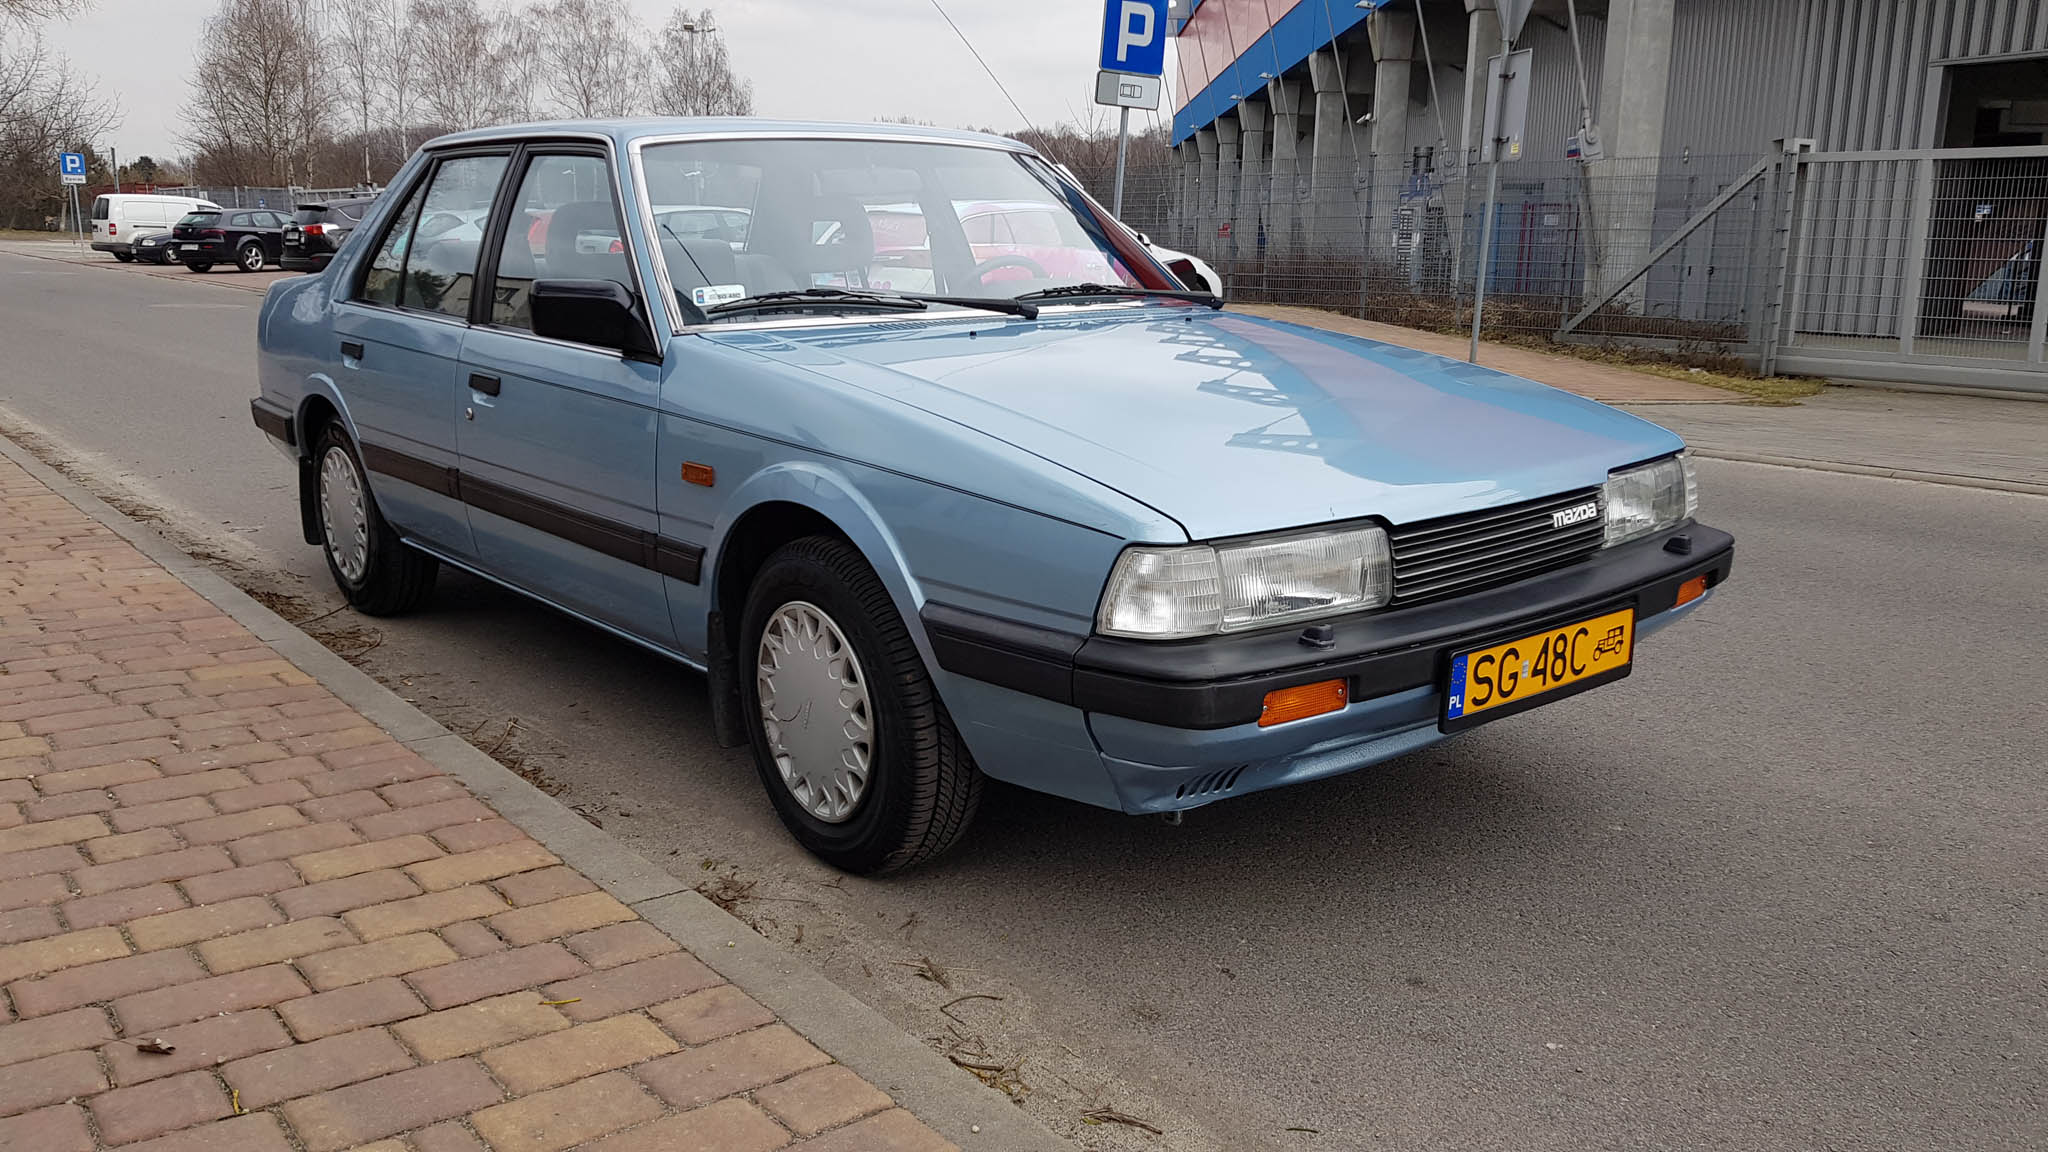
x: 1691, y: 590
x: 1302, y: 701
x: 701, y: 475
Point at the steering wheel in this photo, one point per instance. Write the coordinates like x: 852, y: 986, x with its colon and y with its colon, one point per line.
x: 982, y: 269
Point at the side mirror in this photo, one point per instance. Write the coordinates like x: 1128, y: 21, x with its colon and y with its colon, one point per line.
x: 596, y: 312
x: 1189, y: 275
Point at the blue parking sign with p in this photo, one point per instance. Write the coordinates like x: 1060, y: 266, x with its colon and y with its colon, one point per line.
x: 1134, y: 37
x: 72, y: 164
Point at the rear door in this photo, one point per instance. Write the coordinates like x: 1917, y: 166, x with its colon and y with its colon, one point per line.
x: 399, y: 335
x: 557, y: 438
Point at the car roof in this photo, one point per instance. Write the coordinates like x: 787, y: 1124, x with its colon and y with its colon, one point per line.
x: 626, y: 131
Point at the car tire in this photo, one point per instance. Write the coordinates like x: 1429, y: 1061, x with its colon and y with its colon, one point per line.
x: 375, y: 571
x: 198, y: 265
x: 249, y: 257
x: 817, y: 604
x: 124, y: 257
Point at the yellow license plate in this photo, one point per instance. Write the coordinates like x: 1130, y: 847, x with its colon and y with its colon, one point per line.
x: 1489, y: 682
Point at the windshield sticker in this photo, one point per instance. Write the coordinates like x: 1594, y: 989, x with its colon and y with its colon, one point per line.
x: 718, y: 294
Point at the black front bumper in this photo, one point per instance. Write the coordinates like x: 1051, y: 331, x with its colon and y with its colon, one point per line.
x: 1222, y: 681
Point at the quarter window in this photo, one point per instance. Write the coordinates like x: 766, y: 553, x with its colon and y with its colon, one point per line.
x: 387, y: 267
x: 564, y: 226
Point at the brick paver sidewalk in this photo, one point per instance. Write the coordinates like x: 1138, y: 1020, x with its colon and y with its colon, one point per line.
x: 237, y: 917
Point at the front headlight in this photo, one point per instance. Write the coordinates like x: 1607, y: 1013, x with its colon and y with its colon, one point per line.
x: 1650, y: 498
x: 1172, y: 593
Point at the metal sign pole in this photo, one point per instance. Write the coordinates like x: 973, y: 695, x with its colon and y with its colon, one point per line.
x: 1492, y: 191
x: 1123, y: 144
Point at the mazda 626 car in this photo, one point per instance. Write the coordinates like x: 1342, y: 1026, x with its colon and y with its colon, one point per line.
x: 1062, y: 522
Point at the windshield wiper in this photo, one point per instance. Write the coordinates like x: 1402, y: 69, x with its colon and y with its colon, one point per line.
x: 906, y: 301
x: 1066, y: 291
x: 819, y: 297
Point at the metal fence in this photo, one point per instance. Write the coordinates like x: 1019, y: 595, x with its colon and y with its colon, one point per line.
x: 1898, y: 265
x: 284, y: 199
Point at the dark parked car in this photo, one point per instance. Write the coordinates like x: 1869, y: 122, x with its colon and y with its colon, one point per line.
x: 316, y: 231
x: 247, y: 237
x: 157, y: 248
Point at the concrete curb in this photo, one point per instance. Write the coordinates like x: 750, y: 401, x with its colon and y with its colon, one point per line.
x: 957, y: 1106
x: 1990, y: 483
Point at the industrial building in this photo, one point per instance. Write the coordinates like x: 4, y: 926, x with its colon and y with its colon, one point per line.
x: 1842, y: 187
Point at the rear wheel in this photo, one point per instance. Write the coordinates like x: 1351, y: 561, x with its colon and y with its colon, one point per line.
x: 378, y: 574
x: 855, y: 748
x: 198, y: 265
x: 124, y: 257
x: 249, y: 258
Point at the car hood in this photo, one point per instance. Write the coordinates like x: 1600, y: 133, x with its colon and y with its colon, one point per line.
x: 1232, y: 424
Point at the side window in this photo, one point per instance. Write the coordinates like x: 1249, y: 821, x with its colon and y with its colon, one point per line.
x: 100, y: 207
x: 440, y: 268
x: 387, y: 267
x: 564, y: 226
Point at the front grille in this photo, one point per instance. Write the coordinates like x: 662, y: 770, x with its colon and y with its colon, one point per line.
x: 1458, y: 554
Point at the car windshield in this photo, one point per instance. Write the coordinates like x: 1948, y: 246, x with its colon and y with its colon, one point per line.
x: 198, y: 218
x: 738, y: 219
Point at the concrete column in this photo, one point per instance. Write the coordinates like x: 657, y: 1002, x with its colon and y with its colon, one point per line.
x: 1187, y: 216
x: 1251, y: 183
x: 1335, y: 154
x: 1482, y: 43
x: 1204, y: 209
x: 1284, y: 96
x: 1633, y: 90
x: 1394, y: 51
x: 1227, y: 247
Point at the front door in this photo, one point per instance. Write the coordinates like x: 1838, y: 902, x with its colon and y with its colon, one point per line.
x: 557, y: 438
x: 400, y: 335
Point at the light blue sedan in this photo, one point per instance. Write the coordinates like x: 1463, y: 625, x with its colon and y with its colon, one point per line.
x: 1058, y: 520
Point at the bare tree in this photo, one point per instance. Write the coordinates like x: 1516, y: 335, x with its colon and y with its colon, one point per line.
x: 598, y: 65
x: 525, y: 71
x: 693, y: 72
x: 259, y: 104
x: 44, y: 110
x: 402, y: 66
x: 358, y: 42
x: 36, y: 11
x: 455, y: 42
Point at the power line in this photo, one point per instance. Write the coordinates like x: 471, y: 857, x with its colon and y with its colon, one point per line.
x: 984, y: 66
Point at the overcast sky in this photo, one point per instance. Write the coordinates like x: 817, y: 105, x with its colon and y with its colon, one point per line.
x: 822, y: 59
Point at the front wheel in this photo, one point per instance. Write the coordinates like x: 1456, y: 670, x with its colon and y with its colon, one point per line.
x: 855, y: 748
x: 378, y: 574
x: 250, y: 258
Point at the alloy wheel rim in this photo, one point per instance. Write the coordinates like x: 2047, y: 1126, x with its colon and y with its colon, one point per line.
x: 252, y: 258
x: 344, y: 514
x: 815, y: 711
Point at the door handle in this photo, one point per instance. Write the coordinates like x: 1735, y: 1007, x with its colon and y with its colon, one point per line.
x: 351, y: 349
x: 488, y: 385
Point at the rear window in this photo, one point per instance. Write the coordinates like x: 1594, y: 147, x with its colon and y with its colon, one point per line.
x: 99, y: 207
x: 197, y: 219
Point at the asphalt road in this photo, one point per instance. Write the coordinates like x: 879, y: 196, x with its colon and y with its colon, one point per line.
x: 1784, y: 888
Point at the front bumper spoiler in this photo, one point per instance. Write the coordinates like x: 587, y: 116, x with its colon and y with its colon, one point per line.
x: 1222, y: 682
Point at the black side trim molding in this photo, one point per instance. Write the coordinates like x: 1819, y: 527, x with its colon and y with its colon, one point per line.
x: 1222, y: 681
x: 423, y: 473
x: 1039, y: 661
x: 677, y: 559
x: 275, y: 421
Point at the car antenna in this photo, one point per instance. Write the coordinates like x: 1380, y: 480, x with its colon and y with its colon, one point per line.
x: 703, y: 317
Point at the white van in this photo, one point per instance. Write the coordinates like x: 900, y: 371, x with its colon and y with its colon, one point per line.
x: 118, y: 221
